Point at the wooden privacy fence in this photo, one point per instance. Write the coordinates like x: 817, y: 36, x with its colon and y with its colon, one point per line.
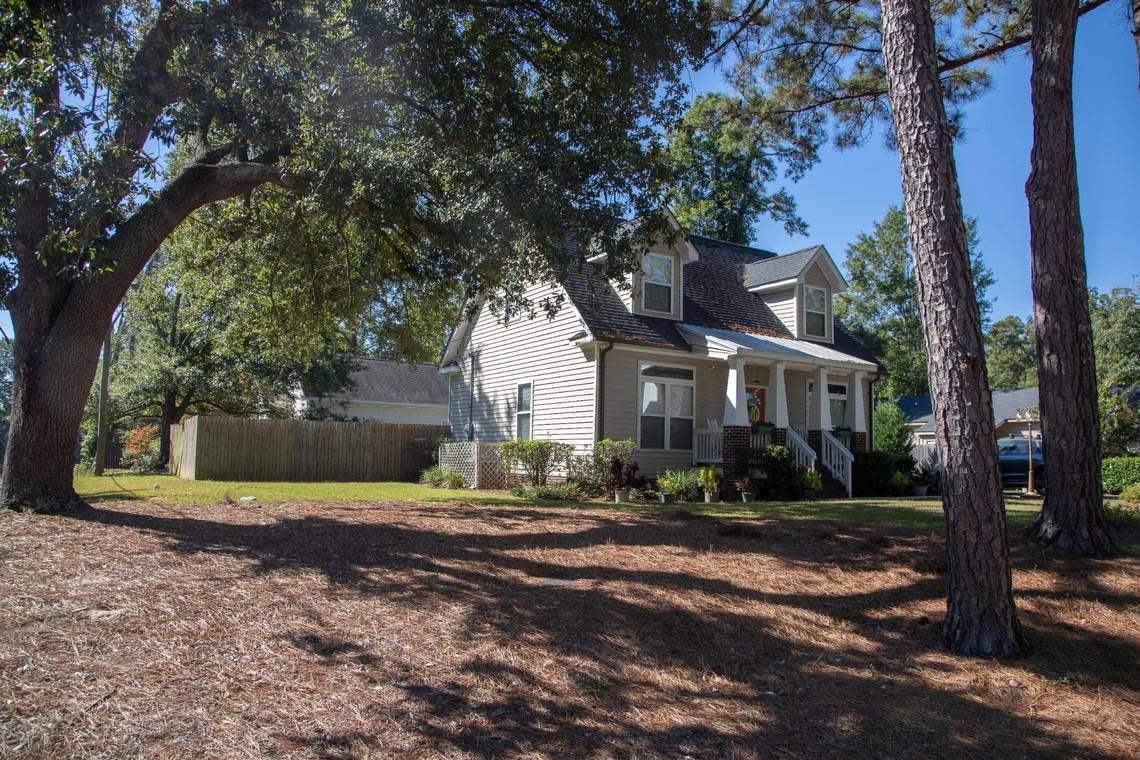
x: 233, y: 448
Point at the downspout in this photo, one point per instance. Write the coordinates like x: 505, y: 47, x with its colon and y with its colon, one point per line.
x: 871, y: 414
x: 471, y: 401
x: 600, y: 412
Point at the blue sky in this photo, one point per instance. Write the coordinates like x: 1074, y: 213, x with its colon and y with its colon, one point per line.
x: 848, y: 190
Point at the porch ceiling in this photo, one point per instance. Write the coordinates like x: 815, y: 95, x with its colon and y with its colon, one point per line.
x: 723, y: 344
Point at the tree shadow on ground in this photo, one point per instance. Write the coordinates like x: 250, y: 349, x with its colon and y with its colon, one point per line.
x: 642, y: 645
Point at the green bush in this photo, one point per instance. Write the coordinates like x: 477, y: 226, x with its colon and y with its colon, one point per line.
x: 441, y: 477
x: 779, y: 465
x: 900, y: 483
x: 683, y: 484
x: 811, y: 480
x: 873, y: 471
x: 555, y: 492
x: 1117, y: 473
x: 536, y: 457
x: 609, y: 466
x: 1131, y: 494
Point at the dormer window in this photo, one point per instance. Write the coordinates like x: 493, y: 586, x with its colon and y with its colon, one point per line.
x: 815, y: 311
x: 657, y: 283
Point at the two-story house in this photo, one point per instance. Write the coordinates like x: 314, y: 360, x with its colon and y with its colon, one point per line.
x: 710, y: 349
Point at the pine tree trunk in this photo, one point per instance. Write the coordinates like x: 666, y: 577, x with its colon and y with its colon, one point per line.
x: 52, y: 374
x: 1136, y: 33
x: 1072, y: 517
x: 981, y: 618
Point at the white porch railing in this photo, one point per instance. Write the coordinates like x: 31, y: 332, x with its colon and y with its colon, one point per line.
x: 708, y: 446
x: 837, y: 459
x: 760, y: 439
x: 804, y: 454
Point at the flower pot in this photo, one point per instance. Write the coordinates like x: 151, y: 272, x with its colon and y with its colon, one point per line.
x: 747, y: 496
x: 666, y: 497
x: 710, y: 497
x: 920, y: 490
x: 621, y: 495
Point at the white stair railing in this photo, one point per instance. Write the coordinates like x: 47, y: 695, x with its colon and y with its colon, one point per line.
x: 804, y: 454
x: 837, y: 459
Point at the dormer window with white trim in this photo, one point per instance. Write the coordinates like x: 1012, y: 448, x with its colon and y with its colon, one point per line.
x: 815, y: 311
x: 657, y: 283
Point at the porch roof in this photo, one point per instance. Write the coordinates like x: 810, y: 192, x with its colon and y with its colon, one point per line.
x: 725, y: 343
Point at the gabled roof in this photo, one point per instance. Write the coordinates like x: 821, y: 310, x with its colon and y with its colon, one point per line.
x: 790, y: 267
x: 394, y: 383
x: 714, y: 297
x: 725, y: 343
x: 920, y: 411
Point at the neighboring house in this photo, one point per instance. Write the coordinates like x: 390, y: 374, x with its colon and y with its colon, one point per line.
x: 387, y: 392
x: 703, y: 345
x: 1007, y: 403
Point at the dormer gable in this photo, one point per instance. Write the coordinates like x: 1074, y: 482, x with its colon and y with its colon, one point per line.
x: 800, y: 290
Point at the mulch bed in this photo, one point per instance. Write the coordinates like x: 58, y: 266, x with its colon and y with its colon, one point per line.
x: 350, y: 630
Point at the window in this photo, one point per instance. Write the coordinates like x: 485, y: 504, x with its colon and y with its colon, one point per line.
x: 665, y: 407
x: 815, y: 311
x: 657, y: 283
x: 524, y: 400
x: 837, y: 395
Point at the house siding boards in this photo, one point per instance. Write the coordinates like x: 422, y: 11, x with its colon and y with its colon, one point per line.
x: 408, y: 414
x: 783, y: 305
x: 535, y: 350
x: 621, y: 413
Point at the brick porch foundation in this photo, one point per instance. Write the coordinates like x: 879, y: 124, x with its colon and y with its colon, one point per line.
x: 859, y: 442
x: 737, y: 445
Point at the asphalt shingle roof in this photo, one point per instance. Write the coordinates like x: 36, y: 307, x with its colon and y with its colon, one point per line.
x: 918, y: 408
x: 714, y: 296
x: 395, y: 382
x: 778, y: 268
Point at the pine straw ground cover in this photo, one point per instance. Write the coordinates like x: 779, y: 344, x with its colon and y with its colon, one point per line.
x: 341, y: 630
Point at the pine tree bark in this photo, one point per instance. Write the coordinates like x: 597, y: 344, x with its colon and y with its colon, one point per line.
x: 1072, y: 517
x: 981, y: 618
x: 1136, y: 34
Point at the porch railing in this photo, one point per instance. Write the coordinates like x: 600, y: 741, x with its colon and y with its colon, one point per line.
x: 708, y: 446
x: 804, y: 454
x: 837, y: 459
x: 761, y: 438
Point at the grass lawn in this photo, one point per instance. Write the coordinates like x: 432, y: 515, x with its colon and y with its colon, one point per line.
x: 925, y: 514
x: 372, y: 629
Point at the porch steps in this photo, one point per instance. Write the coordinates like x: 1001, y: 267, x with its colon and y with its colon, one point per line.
x: 832, y: 488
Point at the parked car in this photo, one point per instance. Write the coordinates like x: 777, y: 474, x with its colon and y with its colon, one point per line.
x: 1013, y: 459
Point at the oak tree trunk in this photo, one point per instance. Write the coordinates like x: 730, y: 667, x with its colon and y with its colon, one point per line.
x: 981, y: 618
x: 53, y: 371
x: 169, y: 415
x: 1072, y: 517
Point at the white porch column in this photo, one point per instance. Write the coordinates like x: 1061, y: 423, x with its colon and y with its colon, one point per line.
x: 857, y: 403
x: 821, y: 414
x: 779, y: 397
x: 735, y: 398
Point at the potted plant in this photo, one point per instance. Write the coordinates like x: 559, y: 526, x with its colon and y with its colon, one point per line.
x: 900, y: 483
x: 924, y: 479
x: 622, y: 473
x: 710, y: 483
x: 744, y: 486
x: 843, y: 433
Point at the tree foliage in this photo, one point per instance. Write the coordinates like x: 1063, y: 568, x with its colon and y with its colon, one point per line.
x: 881, y: 302
x: 892, y: 434
x: 722, y: 166
x: 1011, y: 358
x: 1116, y: 335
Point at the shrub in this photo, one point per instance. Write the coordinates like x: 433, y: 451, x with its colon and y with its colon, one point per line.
x: 536, y: 457
x: 872, y: 471
x: 1131, y: 494
x: 900, y: 483
x: 557, y: 492
x: 779, y: 466
x: 1117, y: 473
x: 892, y: 434
x: 811, y: 479
x: 608, y: 467
x: 681, y: 483
x: 140, y: 448
x: 441, y: 477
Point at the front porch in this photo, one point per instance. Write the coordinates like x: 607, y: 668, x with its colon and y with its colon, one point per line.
x: 762, y: 400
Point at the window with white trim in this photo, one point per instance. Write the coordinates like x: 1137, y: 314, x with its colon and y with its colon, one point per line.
x: 524, y: 402
x: 665, y: 407
x: 837, y: 396
x: 815, y: 311
x: 657, y: 283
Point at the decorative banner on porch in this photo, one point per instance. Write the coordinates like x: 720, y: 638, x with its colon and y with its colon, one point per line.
x: 756, y: 402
